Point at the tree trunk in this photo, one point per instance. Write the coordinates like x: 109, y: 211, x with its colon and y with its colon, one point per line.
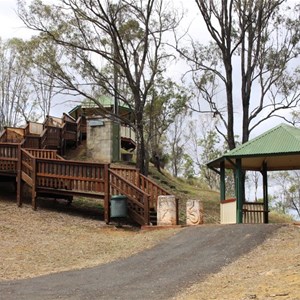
x: 230, y: 117
x: 141, y: 149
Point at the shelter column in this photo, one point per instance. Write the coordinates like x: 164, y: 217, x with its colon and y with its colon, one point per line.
x: 265, y: 192
x: 239, y: 191
x: 222, y: 181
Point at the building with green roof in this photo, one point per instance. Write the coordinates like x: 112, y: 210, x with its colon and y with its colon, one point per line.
x: 275, y: 150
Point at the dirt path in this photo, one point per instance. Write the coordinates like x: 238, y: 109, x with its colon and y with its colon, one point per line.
x: 158, y: 273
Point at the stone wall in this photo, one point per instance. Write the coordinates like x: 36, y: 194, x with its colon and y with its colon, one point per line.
x: 100, y: 137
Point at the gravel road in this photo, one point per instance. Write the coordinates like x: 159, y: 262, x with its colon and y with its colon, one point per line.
x: 157, y: 273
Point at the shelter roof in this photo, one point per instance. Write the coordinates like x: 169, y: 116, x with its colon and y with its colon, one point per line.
x: 278, y: 147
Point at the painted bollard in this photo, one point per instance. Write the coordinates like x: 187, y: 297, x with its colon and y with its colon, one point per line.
x: 166, y: 210
x: 194, y: 212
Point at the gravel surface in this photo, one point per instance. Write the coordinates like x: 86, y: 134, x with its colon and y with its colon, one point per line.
x: 162, y: 272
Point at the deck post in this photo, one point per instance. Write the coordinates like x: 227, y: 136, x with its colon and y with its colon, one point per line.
x: 19, y: 174
x: 33, y: 188
x: 146, y: 209
x: 138, y: 178
x: 265, y: 192
x: 106, y: 194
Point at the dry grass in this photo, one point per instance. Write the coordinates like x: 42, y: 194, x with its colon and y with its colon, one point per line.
x: 39, y: 242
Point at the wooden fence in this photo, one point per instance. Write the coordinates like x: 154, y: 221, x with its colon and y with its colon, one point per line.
x: 9, y: 158
x: 47, y: 173
x: 253, y: 212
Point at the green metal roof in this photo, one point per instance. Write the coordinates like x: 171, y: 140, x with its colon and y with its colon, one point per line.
x: 277, y: 146
x: 280, y: 139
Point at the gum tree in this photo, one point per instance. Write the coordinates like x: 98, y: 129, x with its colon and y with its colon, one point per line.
x: 248, y: 72
x: 125, y: 37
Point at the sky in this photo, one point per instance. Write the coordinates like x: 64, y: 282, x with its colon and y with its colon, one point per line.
x: 10, y: 24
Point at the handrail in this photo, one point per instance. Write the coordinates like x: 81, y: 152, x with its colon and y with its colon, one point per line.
x: 43, y: 153
x: 43, y: 137
x: 146, y: 184
x: 3, y: 133
x: 138, y: 200
x: 78, y: 130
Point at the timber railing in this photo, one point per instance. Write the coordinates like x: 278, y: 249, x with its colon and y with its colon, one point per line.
x: 253, y: 212
x: 9, y: 157
x: 48, y: 173
x: 144, y: 183
x: 53, y: 133
x: 44, y: 153
x: 138, y: 200
x: 12, y: 135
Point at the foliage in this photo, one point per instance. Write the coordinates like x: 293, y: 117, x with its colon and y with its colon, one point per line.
x: 115, y: 47
x: 176, y: 145
x: 168, y: 100
x: 247, y: 73
x: 288, y: 192
x: 15, y: 104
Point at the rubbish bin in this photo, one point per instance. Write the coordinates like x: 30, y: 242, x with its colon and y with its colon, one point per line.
x: 118, y: 206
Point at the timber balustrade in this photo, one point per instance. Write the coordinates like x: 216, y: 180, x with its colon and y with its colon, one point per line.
x: 43, y: 153
x: 12, y: 135
x: 253, y: 212
x: 144, y: 183
x: 54, y: 133
x: 9, y: 158
x: 138, y: 200
x: 49, y: 174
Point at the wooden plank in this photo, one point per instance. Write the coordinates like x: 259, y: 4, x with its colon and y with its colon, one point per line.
x: 42, y: 190
x: 26, y: 178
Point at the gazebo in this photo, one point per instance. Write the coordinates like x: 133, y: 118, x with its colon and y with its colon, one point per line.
x: 275, y: 150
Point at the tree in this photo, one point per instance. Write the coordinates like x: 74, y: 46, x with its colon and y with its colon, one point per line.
x: 167, y: 100
x: 176, y: 144
x: 203, y: 144
x: 288, y: 192
x: 39, y: 53
x: 123, y: 36
x: 251, y: 57
x: 15, y: 91
x: 188, y: 167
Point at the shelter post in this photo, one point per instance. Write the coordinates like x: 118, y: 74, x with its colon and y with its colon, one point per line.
x: 239, y: 191
x: 222, y: 181
x: 265, y: 192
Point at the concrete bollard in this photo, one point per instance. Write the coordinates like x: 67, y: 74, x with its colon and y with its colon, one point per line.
x: 166, y: 210
x: 194, y: 212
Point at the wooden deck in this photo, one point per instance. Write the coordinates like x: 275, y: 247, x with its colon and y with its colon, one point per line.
x: 48, y: 174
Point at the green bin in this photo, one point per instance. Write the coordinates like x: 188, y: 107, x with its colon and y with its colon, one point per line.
x: 118, y: 206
